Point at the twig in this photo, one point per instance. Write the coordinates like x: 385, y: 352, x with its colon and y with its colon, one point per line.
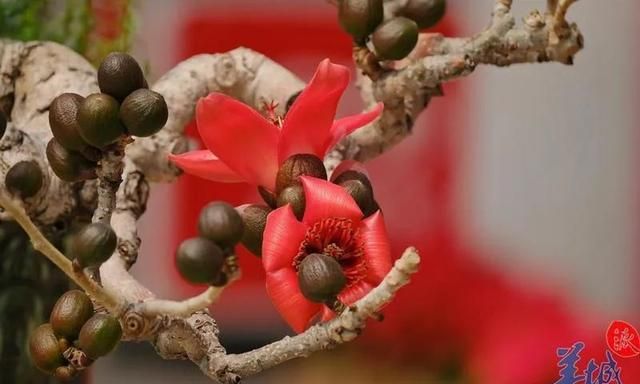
x: 40, y: 243
x: 184, y: 308
x: 199, y: 341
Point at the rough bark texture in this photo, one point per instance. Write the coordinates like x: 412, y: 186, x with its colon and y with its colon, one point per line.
x: 33, y: 73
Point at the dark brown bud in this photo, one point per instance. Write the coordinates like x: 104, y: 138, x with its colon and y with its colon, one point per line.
x: 99, y: 335
x: 68, y: 165
x: 119, y: 75
x: 360, y: 17
x: 144, y: 112
x: 69, y: 314
x: 351, y: 174
x: 44, y: 350
x: 219, y: 281
x: 221, y: 223
x: 65, y: 374
x: 199, y: 260
x: 93, y: 244
x: 255, y: 220
x: 267, y: 196
x: 426, y: 13
x: 291, y: 100
x: 362, y: 195
x: 99, y: 121
x: 296, y: 166
x: 293, y: 195
x: 3, y: 124
x: 321, y: 278
x: 395, y: 39
x: 63, y: 120
x: 24, y: 179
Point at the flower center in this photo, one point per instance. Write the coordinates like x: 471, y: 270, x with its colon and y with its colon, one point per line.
x: 338, y: 238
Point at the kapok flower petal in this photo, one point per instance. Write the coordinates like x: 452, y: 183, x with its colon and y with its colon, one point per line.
x: 283, y: 234
x: 348, y: 296
x: 377, y: 251
x: 306, y: 127
x: 239, y: 136
x: 283, y: 289
x: 346, y: 125
x: 206, y: 165
x: 325, y: 200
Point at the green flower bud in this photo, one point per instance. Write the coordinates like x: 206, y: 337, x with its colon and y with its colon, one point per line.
x: 99, y: 121
x: 221, y: 223
x: 65, y: 374
x: 293, y: 195
x: 360, y: 17
x: 119, y: 74
x: 255, y: 220
x: 68, y: 165
x: 24, y: 179
x: 69, y: 314
x: 44, y: 350
x: 199, y: 260
x: 94, y: 244
x: 426, y: 13
x: 395, y: 39
x: 320, y: 278
x: 99, y: 335
x: 296, y: 166
x: 63, y: 120
x: 144, y: 112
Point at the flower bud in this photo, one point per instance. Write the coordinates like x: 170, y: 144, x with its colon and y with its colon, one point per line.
x: 362, y: 195
x: 268, y: 197
x: 221, y: 223
x: 3, y: 124
x: 24, y: 179
x: 352, y: 174
x: 293, y: 195
x: 44, y: 350
x: 68, y: 165
x: 360, y: 17
x: 94, y: 244
x: 119, y: 74
x: 65, y: 373
x: 69, y: 314
x: 296, y: 166
x: 320, y: 278
x: 199, y: 260
x: 426, y: 13
x: 63, y: 120
x: 144, y: 112
x: 98, y: 120
x: 395, y: 39
x: 99, y: 335
x: 255, y: 219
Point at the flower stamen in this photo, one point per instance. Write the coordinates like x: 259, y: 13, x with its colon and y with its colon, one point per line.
x: 338, y: 238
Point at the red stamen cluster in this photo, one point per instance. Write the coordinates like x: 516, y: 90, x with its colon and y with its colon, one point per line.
x: 338, y: 238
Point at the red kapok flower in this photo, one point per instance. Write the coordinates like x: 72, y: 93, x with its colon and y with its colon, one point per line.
x: 243, y: 146
x: 332, y: 225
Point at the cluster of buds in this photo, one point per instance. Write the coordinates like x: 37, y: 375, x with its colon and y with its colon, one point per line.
x: 73, y: 338
x: 394, y: 38
x: 84, y: 127
x: 209, y: 258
